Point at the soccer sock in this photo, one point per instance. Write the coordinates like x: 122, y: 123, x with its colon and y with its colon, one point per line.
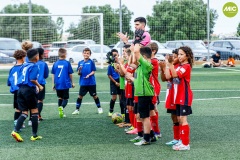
x: 60, y: 102
x: 185, y: 136
x: 97, y: 102
x: 16, y: 115
x: 20, y: 121
x: 146, y: 137
x: 64, y: 103
x: 127, y: 120
x: 34, y: 124
x: 112, y: 103
x: 40, y: 107
x: 152, y: 133
x: 176, y: 131
x: 122, y: 106
x: 131, y: 117
x: 140, y: 129
x: 30, y: 117
x: 134, y: 121
x: 154, y: 124
x: 78, y: 103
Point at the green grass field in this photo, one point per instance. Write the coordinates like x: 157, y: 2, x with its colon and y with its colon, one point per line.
x: 214, y: 124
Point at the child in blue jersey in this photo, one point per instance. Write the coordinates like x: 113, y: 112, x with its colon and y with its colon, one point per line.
x: 26, y: 45
x: 19, y: 55
x: 62, y: 80
x: 86, y: 70
x: 43, y: 75
x: 27, y: 95
x: 113, y: 75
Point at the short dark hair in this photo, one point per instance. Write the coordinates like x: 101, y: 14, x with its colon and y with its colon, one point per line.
x: 218, y: 52
x: 146, y: 51
x: 40, y: 52
x: 141, y: 20
x: 230, y: 56
x: 19, y: 54
x: 31, y: 54
x: 62, y: 52
x: 114, y: 50
x: 87, y: 49
x: 127, y: 46
x: 154, y: 46
x: 175, y: 51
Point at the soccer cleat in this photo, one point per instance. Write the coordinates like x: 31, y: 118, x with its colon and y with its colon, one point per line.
x: 154, y: 139
x: 177, y: 144
x: 128, y: 129
x: 110, y: 114
x: 142, y: 142
x: 134, y: 131
x: 137, y: 139
x: 173, y: 142
x: 182, y: 147
x: 40, y: 118
x: 158, y: 135
x: 100, y: 110
x: 16, y: 136
x: 75, y: 112
x: 64, y: 115
x: 60, y: 109
x: 35, y: 138
x: 29, y: 123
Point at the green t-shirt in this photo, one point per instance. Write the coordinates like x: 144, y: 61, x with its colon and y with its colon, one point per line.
x: 122, y: 80
x: 142, y: 86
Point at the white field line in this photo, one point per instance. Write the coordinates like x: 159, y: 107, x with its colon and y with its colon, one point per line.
x: 229, y: 69
x: 93, y: 103
x: 53, y: 93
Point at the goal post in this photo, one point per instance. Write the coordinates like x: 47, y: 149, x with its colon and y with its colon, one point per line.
x: 48, y: 28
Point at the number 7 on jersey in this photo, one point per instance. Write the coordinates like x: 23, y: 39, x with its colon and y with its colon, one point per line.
x: 61, y: 67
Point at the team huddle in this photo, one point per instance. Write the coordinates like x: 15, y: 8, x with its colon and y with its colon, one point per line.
x: 134, y: 78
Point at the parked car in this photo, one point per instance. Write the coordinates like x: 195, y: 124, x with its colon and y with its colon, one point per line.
x: 37, y: 45
x: 227, y: 48
x: 197, y: 46
x: 53, y: 51
x: 46, y: 48
x: 9, y: 45
x: 96, y: 52
x: 74, y: 55
x: 72, y: 43
x: 6, y: 59
x: 162, y: 50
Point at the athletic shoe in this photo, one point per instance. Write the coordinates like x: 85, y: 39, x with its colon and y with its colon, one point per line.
x: 75, y: 112
x: 64, y: 115
x: 142, y: 142
x: 153, y: 139
x: 128, y: 129
x: 137, y: 139
x: 158, y: 135
x: 110, y: 114
x: 177, y: 144
x: 29, y: 123
x: 60, y: 109
x: 100, y: 110
x: 17, y: 136
x: 134, y: 131
x: 35, y: 138
x: 182, y: 147
x: 173, y: 142
x: 40, y: 118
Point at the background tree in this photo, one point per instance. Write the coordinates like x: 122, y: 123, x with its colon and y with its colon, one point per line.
x: 86, y: 28
x: 44, y: 29
x: 180, y: 19
x: 238, y: 30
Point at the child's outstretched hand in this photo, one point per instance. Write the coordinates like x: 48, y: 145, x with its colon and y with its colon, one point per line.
x: 73, y: 85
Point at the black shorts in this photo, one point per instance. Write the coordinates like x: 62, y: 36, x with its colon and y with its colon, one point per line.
x: 144, y: 103
x: 152, y: 106
x: 135, y: 108
x: 91, y: 89
x: 41, y: 94
x: 129, y: 102
x: 183, y: 110
x: 27, y: 98
x: 15, y: 103
x: 114, y: 90
x: 172, y: 111
x: 63, y: 94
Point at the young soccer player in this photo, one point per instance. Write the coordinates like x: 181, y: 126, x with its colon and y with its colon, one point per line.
x: 171, y: 90
x: 113, y: 75
x: 231, y: 61
x: 86, y: 70
x: 27, y: 98
x: 43, y: 75
x: 19, y: 55
x: 184, y: 94
x: 62, y: 80
x: 26, y: 45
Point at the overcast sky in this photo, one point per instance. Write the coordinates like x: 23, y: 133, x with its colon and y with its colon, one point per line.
x: 224, y: 25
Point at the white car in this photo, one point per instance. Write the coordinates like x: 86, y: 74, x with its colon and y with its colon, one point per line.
x: 96, y: 52
x: 53, y: 51
x: 74, y: 55
x: 162, y: 50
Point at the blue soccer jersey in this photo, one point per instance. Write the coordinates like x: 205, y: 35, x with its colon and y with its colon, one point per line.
x: 28, y: 72
x: 43, y: 71
x: 112, y: 72
x: 61, y: 71
x: 86, y: 68
x: 13, y: 78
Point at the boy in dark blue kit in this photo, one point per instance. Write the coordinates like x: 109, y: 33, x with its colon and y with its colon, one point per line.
x: 19, y: 55
x: 27, y: 95
x: 113, y: 75
x: 86, y: 70
x: 62, y: 80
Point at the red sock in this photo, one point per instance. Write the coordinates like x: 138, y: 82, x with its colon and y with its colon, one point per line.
x: 139, y: 126
x: 185, y: 134
x: 134, y: 121
x: 131, y: 117
x: 154, y: 124
x: 176, y: 132
x: 157, y: 121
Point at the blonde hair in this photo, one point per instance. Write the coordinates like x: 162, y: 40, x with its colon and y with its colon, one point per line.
x: 26, y: 45
x: 62, y: 52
